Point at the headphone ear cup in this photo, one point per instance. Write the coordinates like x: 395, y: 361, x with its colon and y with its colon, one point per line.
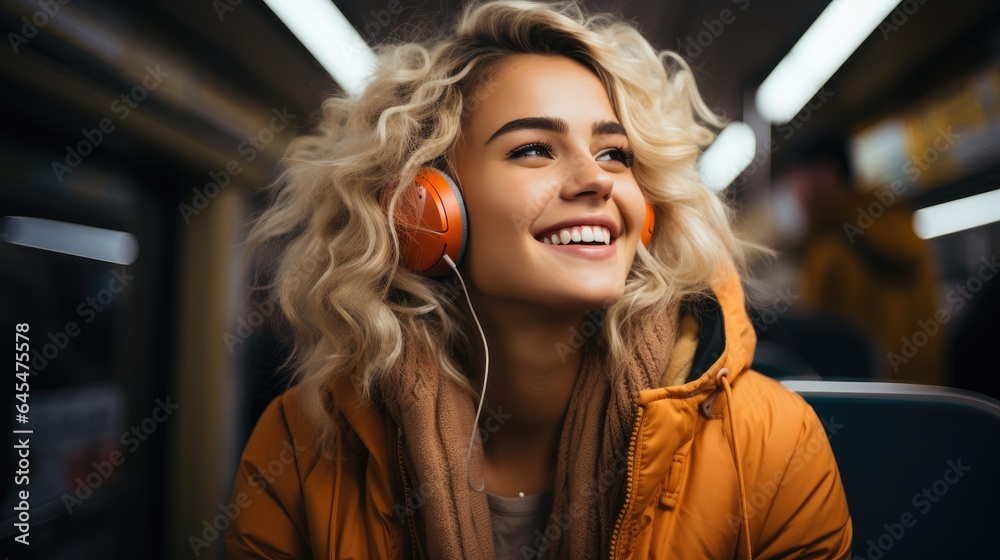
x: 646, y: 235
x: 432, y: 223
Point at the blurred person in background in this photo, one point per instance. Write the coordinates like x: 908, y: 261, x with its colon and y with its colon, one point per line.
x: 862, y: 262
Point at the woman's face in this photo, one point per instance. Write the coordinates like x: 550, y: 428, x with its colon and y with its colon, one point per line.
x: 545, y: 168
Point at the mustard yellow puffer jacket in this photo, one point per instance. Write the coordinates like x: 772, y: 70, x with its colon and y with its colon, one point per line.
x: 723, y: 463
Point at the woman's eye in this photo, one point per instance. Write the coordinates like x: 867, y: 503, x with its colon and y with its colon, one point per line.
x: 535, y: 149
x: 624, y: 156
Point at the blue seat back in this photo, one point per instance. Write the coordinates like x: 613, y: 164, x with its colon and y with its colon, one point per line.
x: 920, y: 466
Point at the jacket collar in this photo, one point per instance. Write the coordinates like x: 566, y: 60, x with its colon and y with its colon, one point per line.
x: 716, y: 333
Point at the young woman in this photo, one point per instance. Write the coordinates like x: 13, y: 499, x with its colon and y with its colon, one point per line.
x: 592, y: 396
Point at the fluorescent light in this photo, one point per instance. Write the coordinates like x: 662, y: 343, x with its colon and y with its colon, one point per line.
x: 72, y: 239
x: 330, y: 38
x: 824, y: 47
x: 728, y: 156
x: 957, y: 215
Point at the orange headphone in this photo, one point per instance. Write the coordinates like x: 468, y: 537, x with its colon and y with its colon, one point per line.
x: 433, y: 223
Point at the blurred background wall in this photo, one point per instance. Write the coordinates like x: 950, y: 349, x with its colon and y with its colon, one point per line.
x: 155, y: 124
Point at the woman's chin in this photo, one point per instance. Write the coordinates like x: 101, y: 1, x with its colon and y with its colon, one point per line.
x: 587, y: 298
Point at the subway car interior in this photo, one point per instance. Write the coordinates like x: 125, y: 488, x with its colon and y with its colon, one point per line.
x: 140, y: 137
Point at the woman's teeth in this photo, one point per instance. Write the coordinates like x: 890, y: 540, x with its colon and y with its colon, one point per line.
x: 578, y: 234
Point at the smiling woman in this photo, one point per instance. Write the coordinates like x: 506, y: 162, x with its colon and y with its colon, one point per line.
x: 622, y: 417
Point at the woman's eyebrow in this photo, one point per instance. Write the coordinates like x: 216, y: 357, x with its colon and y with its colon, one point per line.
x: 540, y: 123
x: 555, y: 124
x: 601, y: 128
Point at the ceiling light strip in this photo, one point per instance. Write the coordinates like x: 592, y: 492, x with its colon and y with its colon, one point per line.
x: 824, y: 48
x: 331, y: 39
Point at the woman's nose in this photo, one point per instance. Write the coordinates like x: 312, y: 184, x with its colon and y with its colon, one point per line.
x: 585, y: 178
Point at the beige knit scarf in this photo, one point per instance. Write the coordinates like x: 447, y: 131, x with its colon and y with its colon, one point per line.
x: 436, y: 417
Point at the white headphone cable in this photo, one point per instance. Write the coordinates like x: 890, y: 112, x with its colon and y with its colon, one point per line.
x: 486, y: 374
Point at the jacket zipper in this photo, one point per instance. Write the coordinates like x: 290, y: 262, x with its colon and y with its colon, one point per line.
x: 616, y: 537
x: 410, y: 521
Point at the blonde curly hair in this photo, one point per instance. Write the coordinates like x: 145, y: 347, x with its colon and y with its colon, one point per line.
x: 335, y: 254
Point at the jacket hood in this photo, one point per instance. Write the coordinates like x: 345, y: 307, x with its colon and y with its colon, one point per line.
x: 715, y: 333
